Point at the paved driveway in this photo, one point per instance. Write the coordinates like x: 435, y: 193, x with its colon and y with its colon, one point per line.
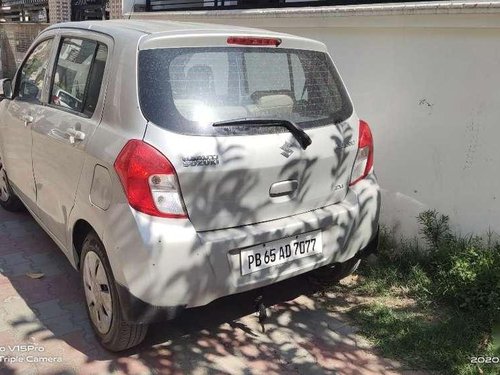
x: 48, y: 315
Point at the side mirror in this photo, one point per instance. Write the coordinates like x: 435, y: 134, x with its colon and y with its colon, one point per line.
x: 5, y: 88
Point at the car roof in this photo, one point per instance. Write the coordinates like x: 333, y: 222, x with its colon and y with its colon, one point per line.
x: 153, y: 31
x: 155, y: 26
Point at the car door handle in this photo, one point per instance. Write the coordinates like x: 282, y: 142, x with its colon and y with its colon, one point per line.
x: 28, y: 119
x: 75, y: 135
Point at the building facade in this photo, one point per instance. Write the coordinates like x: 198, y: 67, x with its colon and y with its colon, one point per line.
x: 24, y: 10
x: 54, y: 11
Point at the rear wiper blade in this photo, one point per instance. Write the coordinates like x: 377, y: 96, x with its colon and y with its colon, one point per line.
x: 299, y: 133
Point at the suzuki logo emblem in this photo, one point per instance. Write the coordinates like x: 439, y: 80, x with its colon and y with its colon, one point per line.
x: 287, y: 150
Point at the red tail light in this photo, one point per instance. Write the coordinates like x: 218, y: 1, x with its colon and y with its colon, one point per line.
x: 251, y: 41
x: 364, y: 159
x: 149, y: 180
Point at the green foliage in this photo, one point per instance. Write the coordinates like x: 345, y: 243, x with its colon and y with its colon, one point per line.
x: 456, y: 282
x: 423, y: 342
x: 461, y: 271
x: 495, y: 342
x: 465, y: 271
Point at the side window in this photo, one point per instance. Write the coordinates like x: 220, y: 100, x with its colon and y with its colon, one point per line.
x: 78, y: 75
x: 95, y: 80
x: 33, y: 72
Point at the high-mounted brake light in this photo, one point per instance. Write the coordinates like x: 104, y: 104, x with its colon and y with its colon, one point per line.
x: 364, y: 159
x: 252, y: 41
x: 149, y: 180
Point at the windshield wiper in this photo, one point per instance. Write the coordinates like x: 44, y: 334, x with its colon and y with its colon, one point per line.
x: 299, y: 134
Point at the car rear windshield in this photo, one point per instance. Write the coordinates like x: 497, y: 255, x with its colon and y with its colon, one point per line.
x: 186, y: 90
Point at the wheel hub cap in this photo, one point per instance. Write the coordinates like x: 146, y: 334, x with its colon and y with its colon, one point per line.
x: 97, y: 292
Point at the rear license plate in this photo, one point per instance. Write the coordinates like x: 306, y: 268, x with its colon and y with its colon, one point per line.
x: 281, y: 251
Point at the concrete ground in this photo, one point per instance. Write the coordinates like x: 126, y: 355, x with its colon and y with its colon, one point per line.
x: 47, y: 315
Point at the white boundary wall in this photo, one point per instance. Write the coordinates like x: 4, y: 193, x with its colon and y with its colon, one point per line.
x: 426, y: 76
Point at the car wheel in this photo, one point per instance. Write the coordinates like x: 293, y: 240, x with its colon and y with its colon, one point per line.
x: 8, y: 199
x: 101, y: 296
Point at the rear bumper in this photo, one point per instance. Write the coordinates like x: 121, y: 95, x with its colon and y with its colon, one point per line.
x: 163, y: 266
x: 137, y: 311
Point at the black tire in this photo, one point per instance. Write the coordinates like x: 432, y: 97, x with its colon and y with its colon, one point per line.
x: 122, y: 335
x: 8, y: 199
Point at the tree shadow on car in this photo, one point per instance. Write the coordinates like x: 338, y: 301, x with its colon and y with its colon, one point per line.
x: 222, y: 337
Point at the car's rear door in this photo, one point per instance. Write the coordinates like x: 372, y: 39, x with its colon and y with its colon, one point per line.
x: 236, y: 175
x: 70, y: 117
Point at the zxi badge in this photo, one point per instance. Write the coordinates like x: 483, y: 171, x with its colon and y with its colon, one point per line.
x: 287, y: 149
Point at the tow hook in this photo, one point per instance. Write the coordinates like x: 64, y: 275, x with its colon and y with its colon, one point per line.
x: 262, y: 312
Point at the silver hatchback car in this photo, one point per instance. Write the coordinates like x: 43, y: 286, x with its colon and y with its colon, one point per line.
x: 176, y: 163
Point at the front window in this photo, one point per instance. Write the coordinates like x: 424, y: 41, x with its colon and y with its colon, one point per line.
x: 188, y: 89
x: 33, y: 72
